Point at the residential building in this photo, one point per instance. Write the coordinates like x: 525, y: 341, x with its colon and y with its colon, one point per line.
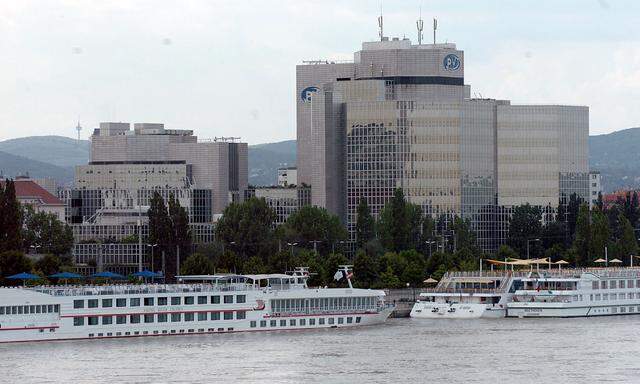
x: 30, y: 193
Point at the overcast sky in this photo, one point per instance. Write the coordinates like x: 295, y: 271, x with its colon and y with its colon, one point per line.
x: 227, y: 68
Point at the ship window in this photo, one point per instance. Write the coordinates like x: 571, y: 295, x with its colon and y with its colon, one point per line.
x: 272, y: 323
x: 303, y: 322
x: 597, y: 297
x: 622, y: 283
x: 78, y: 321
x: 14, y: 310
x: 162, y: 301
x: 107, y: 320
x: 188, y: 300
x: 134, y: 319
x: 202, y: 316
x: 594, y: 285
x: 331, y: 320
x: 622, y: 296
x: 228, y: 299
x: 312, y: 321
x: 215, y: 299
x: 2, y: 310
x: 283, y: 323
x: 340, y: 320
x: 241, y: 299
x: 613, y: 284
x: 148, y: 318
x: 629, y: 283
x: 631, y: 295
x: 92, y: 320
x: 134, y: 302
x: 241, y: 315
x: 321, y: 321
x: 292, y: 322
x: 121, y: 302
x: 358, y: 320
x: 263, y: 323
x: 349, y: 320
x: 215, y: 315
x: 603, y: 285
x: 175, y: 300
x: 92, y: 303
x: 252, y: 324
x: 188, y: 317
x: 162, y: 317
x: 20, y: 310
x: 121, y: 319
x: 202, y: 299
x: 176, y: 317
x: 605, y: 296
x: 148, y: 301
x: 228, y: 315
x: 107, y: 303
x: 78, y: 304
x: 614, y: 296
x: 50, y: 308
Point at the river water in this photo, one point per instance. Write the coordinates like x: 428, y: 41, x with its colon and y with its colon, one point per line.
x: 584, y: 350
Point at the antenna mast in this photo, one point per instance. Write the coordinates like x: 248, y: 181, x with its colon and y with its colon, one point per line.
x: 420, y: 26
x: 78, y: 128
x: 435, y: 26
x: 380, y: 24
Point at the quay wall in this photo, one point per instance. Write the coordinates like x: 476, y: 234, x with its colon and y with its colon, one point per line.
x: 403, y: 300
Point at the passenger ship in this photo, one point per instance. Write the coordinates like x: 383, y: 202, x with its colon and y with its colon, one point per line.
x: 218, y: 304
x: 468, y: 295
x: 578, y: 293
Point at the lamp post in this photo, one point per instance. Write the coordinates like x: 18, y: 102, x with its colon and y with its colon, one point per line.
x: 315, y: 245
x: 429, y: 242
x: 528, y: 241
x: 153, y: 265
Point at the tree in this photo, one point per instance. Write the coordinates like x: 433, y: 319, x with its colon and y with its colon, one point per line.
x: 160, y: 233
x: 572, y: 211
x: 414, y: 272
x: 365, y: 269
x: 400, y: 224
x: 180, y: 231
x: 13, y: 262
x: 365, y: 223
x: 197, y: 264
x: 389, y: 279
x: 314, y: 228
x: 11, y: 219
x: 49, y: 264
x: 505, y: 253
x: 627, y: 245
x: 525, y: 224
x: 464, y: 235
x: 554, y: 232
x: 600, y: 234
x: 582, y: 241
x: 45, y: 231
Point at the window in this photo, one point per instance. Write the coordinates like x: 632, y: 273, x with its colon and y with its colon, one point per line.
x: 349, y: 320
x: 331, y: 320
x: 241, y: 315
x: 121, y: 319
x: 312, y: 321
x: 148, y: 301
x: 629, y: 283
x: 252, y: 324
x: 292, y: 322
x: 134, y: 319
x: 263, y: 323
x: 162, y: 301
x: 202, y: 316
x: 603, y: 284
x: 241, y: 299
x: 176, y: 317
x: 202, y: 299
x: 283, y: 323
x: 303, y: 322
x: 340, y: 320
x: 215, y: 299
x: 162, y: 317
x: 594, y: 285
x: 272, y: 323
x: 215, y: 315
x: 228, y: 315
x: 78, y: 321
x: 622, y: 284
x: 613, y: 284
x: 121, y: 302
x: 188, y: 317
x: 175, y: 300
x: 358, y: 320
x: 78, y: 304
x: 92, y: 320
x: 107, y: 303
x: 135, y: 302
x: 321, y: 321
x: 188, y: 300
x: 148, y: 318
x: 91, y: 303
x: 228, y: 299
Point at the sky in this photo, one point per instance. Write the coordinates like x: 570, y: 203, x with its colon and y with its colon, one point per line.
x: 227, y: 68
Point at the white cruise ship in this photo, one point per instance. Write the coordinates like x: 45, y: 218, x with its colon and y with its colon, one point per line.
x: 468, y: 295
x: 225, y: 303
x: 578, y: 293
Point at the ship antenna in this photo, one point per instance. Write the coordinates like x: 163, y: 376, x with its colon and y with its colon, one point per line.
x: 420, y: 26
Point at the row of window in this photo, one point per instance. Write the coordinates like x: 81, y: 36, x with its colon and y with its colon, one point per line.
x: 324, y: 304
x: 163, y: 332
x: 161, y: 301
x: 303, y: 322
x: 615, y: 284
x: 29, y: 309
x: 614, y: 296
x: 158, y: 318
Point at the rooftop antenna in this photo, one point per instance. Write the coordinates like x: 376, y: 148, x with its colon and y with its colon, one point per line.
x: 435, y: 26
x: 380, y: 24
x: 420, y: 26
x: 78, y: 128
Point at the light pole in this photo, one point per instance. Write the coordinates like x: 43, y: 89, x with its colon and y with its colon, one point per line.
x: 429, y: 242
x: 315, y: 246
x: 528, y: 241
x: 153, y: 265
x: 292, y: 245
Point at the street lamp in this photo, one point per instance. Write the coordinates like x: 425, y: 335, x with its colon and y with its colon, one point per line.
x: 292, y: 245
x: 315, y: 245
x: 153, y: 265
x: 528, y: 241
x: 429, y: 242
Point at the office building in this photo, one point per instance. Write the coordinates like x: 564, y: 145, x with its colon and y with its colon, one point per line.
x: 595, y: 188
x: 287, y: 176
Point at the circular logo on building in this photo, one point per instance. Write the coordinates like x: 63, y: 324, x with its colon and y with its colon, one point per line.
x: 306, y: 93
x: 451, y: 62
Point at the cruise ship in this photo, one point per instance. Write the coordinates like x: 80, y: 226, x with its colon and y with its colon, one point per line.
x: 578, y: 293
x: 196, y: 305
x: 468, y: 295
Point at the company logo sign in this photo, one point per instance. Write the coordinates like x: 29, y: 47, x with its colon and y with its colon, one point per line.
x: 305, y: 95
x: 451, y: 62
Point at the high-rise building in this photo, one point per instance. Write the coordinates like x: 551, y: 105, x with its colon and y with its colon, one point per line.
x: 400, y: 116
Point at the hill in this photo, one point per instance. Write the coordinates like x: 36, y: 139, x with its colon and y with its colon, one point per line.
x: 56, y: 150
x: 265, y: 159
x: 617, y: 158
x: 12, y: 165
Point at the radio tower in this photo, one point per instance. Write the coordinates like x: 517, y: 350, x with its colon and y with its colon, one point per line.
x: 78, y: 128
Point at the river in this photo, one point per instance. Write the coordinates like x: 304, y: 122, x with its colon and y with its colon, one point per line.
x: 584, y: 350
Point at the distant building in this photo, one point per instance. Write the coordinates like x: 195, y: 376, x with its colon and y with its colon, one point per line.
x: 28, y: 192
x: 595, y: 188
x: 287, y: 176
x: 610, y: 199
x: 283, y: 200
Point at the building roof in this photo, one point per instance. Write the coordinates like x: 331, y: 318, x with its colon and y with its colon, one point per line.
x: 29, y: 189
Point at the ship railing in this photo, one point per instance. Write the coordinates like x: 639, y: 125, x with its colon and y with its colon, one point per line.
x: 463, y: 290
x: 326, y: 311
x: 139, y: 289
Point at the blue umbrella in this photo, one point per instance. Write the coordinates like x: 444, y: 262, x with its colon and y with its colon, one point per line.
x: 66, y: 275
x: 24, y: 276
x: 146, y: 274
x: 107, y: 275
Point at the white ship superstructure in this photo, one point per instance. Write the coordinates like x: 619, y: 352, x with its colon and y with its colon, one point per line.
x: 223, y: 303
x: 578, y: 293
x: 467, y: 295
